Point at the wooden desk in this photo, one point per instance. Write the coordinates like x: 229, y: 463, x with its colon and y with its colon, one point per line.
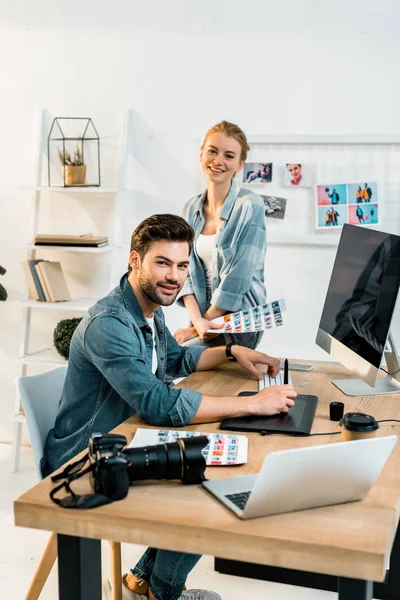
x: 351, y: 541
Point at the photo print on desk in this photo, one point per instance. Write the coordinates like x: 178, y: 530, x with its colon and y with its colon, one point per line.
x: 256, y: 172
x: 222, y: 448
x: 300, y: 175
x: 275, y: 207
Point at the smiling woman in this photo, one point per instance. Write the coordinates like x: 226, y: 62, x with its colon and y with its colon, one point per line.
x: 226, y: 271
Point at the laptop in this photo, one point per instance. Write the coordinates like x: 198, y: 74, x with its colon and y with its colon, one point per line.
x: 302, y: 478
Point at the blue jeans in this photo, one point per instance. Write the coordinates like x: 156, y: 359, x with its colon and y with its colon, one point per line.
x: 165, y: 571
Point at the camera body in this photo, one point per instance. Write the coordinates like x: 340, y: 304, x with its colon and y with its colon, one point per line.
x: 110, y: 465
x: 114, y: 468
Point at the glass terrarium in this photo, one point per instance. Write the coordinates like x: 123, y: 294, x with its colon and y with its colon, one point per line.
x: 73, y: 148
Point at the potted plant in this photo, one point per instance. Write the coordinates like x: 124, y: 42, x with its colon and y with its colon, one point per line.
x: 62, y: 335
x: 74, y: 169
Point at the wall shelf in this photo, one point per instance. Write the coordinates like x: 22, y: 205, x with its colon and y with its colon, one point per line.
x: 78, y: 304
x: 73, y: 189
x: 19, y: 418
x: 48, y: 356
x: 94, y: 250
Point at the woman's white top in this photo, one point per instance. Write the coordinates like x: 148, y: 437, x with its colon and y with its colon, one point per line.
x: 205, y: 246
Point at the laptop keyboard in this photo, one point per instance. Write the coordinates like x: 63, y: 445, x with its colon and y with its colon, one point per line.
x: 239, y: 500
x: 267, y: 380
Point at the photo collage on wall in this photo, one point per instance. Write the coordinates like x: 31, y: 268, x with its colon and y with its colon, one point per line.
x: 336, y: 203
x: 296, y: 175
x: 340, y: 203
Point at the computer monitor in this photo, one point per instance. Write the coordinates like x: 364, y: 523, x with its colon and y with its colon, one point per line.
x: 358, y: 310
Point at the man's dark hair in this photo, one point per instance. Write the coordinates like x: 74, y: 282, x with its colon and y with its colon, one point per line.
x: 158, y: 228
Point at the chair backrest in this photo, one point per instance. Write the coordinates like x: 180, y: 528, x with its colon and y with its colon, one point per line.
x: 40, y: 396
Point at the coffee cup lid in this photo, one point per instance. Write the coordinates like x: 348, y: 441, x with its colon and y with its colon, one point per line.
x: 356, y: 421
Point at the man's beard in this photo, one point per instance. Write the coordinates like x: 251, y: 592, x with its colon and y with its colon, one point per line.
x: 153, y: 292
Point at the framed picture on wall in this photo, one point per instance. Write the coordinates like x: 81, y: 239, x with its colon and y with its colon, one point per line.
x: 300, y: 175
x: 340, y: 203
x: 363, y: 203
x: 256, y: 172
x: 332, y: 207
x: 274, y: 207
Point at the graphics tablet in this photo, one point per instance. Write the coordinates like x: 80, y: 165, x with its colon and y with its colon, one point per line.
x: 297, y: 421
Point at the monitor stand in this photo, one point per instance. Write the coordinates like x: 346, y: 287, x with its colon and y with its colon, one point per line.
x: 385, y: 385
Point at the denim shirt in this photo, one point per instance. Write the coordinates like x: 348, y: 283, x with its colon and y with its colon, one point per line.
x: 238, y: 257
x: 109, y: 376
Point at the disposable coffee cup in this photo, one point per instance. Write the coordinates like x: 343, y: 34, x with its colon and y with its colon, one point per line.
x: 358, y: 426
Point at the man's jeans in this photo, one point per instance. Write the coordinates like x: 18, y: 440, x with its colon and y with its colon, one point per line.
x: 165, y: 571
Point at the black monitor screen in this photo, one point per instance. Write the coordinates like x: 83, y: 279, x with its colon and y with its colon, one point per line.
x: 362, y: 291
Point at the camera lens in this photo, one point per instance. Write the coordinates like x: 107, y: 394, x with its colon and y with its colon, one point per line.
x: 182, y: 459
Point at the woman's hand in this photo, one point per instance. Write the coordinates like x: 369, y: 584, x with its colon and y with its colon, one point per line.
x: 203, y: 325
x: 185, y: 334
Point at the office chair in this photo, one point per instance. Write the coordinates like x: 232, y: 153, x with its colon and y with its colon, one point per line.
x: 40, y: 395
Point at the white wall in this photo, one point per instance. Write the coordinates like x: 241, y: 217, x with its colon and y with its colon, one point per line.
x: 287, y: 67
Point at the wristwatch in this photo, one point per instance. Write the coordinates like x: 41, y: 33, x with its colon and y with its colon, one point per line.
x: 228, y: 351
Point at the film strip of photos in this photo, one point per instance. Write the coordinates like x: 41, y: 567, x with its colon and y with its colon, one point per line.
x: 335, y: 203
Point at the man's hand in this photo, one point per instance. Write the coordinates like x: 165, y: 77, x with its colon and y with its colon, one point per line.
x: 273, y: 400
x: 248, y: 359
x: 203, y: 325
x: 185, y: 334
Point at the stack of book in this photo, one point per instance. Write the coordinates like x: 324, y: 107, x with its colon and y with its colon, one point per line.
x: 46, y: 281
x: 87, y: 240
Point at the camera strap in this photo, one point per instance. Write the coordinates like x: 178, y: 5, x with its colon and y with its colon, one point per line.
x: 72, y: 472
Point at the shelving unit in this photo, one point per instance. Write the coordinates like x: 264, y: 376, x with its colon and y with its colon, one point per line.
x: 49, y: 356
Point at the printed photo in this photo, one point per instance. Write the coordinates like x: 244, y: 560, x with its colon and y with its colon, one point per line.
x: 362, y: 193
x: 332, y: 216
x: 301, y: 175
x: 232, y: 459
x: 331, y: 194
x: 363, y: 214
x: 274, y: 207
x: 257, y: 172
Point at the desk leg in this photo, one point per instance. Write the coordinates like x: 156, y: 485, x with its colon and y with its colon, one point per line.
x: 79, y: 568
x: 354, y: 589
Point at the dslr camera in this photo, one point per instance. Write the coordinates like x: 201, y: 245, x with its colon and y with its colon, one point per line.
x: 114, y: 469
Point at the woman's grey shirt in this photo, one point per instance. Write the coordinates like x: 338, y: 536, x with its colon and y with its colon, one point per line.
x: 238, y: 257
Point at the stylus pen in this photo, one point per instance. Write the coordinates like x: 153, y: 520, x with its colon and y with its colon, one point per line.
x: 286, y: 371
